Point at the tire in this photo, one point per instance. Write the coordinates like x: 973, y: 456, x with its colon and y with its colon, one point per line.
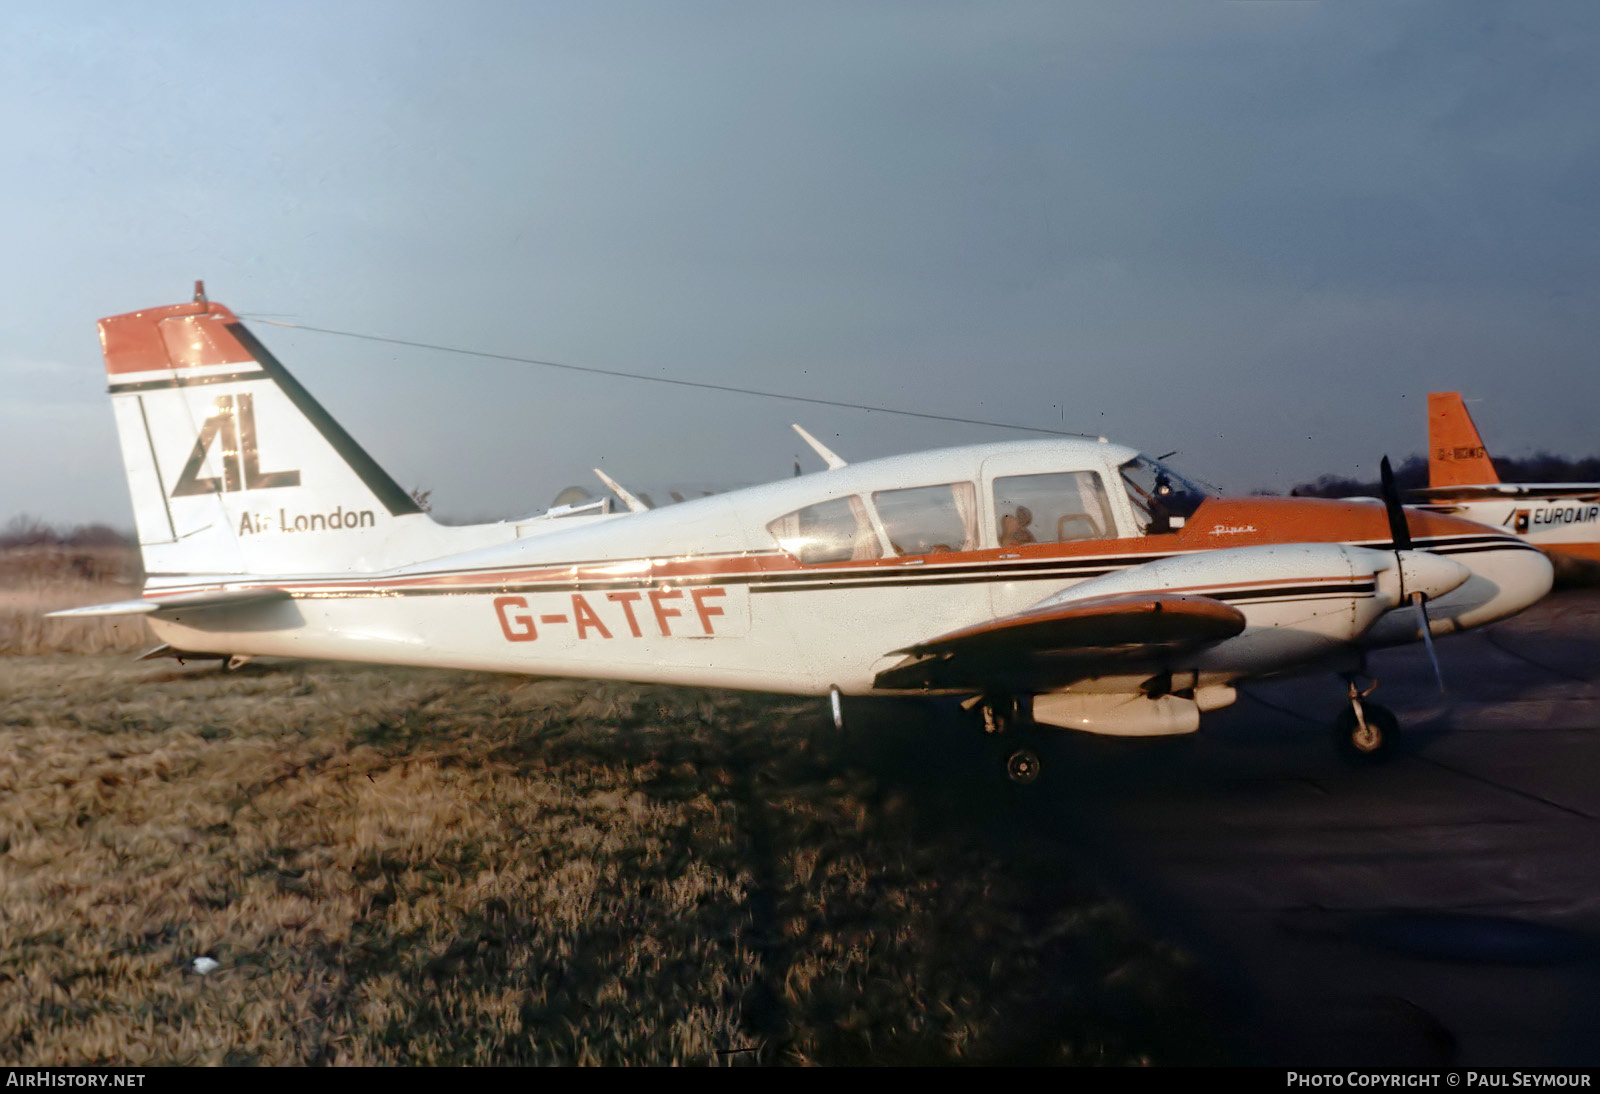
x: 1023, y: 766
x: 1379, y: 739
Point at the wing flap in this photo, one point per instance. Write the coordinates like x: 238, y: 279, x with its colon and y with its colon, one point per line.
x: 1051, y: 647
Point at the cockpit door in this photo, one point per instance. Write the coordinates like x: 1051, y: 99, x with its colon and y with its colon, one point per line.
x: 1048, y: 523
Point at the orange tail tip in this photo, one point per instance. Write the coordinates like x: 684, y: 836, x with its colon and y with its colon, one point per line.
x: 192, y: 335
x: 1456, y: 456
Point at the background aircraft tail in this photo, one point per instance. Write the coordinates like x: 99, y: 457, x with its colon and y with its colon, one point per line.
x: 233, y: 467
x: 1456, y: 456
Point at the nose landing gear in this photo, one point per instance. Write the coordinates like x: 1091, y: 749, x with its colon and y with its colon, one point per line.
x: 1366, y: 731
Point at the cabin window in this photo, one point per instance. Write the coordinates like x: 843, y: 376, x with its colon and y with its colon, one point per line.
x: 930, y: 520
x: 1061, y: 507
x: 831, y: 531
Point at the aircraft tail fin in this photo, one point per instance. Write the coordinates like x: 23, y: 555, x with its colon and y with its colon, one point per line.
x: 233, y: 467
x: 1456, y: 456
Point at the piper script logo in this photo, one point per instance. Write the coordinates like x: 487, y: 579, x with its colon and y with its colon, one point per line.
x: 233, y: 420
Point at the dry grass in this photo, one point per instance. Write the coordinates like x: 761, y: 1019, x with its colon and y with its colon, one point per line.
x: 412, y: 867
x: 425, y: 867
x: 35, y: 580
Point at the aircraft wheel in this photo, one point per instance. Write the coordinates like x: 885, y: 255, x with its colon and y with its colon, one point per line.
x: 1023, y: 766
x: 1374, y: 741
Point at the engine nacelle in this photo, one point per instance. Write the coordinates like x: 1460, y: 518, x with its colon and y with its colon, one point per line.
x: 1301, y: 601
x: 1124, y: 715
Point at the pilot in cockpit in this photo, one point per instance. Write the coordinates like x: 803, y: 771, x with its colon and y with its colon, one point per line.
x: 1160, y: 506
x: 1163, y: 500
x: 1014, y: 527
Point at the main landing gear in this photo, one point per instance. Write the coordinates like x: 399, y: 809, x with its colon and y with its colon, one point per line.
x: 1011, y: 732
x: 1365, y: 731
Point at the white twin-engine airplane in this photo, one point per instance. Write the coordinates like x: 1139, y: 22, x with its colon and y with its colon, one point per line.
x: 1057, y: 583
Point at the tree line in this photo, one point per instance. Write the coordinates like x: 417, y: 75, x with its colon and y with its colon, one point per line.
x: 25, y: 530
x: 1412, y: 474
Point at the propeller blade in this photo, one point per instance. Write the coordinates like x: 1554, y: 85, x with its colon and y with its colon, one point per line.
x: 1427, y: 637
x: 1399, y: 530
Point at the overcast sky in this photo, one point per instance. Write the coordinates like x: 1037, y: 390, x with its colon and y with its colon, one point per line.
x: 1255, y: 232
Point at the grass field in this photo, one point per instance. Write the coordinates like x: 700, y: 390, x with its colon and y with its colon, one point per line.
x: 35, y: 580
x: 425, y: 867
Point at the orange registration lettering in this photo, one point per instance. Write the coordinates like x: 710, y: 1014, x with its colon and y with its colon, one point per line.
x: 663, y: 613
x: 627, y: 601
x: 704, y: 610
x: 586, y: 618
x: 516, y: 628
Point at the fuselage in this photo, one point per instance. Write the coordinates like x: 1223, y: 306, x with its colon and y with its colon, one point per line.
x: 817, y: 582
x: 1565, y: 523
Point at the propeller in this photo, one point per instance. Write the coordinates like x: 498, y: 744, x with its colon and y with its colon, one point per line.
x: 1400, y: 532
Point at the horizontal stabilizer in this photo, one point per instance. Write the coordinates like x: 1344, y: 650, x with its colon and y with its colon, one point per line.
x: 158, y: 652
x: 1584, y: 491
x: 1050, y: 647
x: 208, y: 598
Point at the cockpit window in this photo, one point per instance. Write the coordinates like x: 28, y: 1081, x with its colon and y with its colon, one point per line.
x: 1162, y: 499
x: 830, y: 531
x: 1056, y: 508
x: 930, y: 520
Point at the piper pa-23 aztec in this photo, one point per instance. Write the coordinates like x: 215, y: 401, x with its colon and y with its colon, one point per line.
x: 1055, y: 583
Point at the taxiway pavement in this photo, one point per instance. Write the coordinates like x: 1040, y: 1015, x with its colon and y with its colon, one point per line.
x: 1438, y: 909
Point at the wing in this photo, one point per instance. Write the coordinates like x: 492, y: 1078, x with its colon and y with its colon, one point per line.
x: 1577, y: 491
x: 1045, y: 648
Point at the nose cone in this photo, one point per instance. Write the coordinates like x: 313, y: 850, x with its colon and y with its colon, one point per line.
x: 1507, y: 575
x: 1503, y: 583
x: 1500, y: 582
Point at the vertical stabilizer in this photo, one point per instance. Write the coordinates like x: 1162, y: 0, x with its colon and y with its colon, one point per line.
x: 233, y: 467
x: 1456, y: 456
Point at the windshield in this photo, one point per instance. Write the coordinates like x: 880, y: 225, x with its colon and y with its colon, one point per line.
x: 1162, y: 498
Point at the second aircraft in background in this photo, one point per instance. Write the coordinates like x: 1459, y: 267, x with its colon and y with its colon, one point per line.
x: 1560, y: 518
